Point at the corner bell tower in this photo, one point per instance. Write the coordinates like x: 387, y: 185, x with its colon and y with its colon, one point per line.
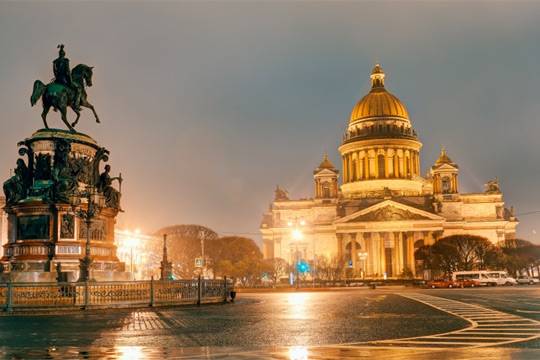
x: 326, y: 180
x: 445, y: 175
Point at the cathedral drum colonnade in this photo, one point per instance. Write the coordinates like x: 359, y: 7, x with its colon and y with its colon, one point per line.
x: 384, y: 209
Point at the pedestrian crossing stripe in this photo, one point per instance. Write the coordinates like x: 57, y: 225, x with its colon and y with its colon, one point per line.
x: 505, y: 328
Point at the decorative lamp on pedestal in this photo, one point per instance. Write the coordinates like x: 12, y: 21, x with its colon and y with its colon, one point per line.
x: 166, y: 266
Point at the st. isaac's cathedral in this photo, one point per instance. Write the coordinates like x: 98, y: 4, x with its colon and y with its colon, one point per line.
x: 384, y: 209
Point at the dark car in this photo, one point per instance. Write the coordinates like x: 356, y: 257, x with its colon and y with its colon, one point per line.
x: 441, y: 284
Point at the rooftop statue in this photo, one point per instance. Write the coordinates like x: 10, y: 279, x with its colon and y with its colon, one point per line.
x: 492, y: 187
x: 66, y: 90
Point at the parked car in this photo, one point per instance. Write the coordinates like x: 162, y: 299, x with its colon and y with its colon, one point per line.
x: 441, y: 283
x: 467, y: 283
x: 527, y: 280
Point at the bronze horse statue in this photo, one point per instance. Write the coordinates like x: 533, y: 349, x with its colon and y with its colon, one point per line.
x: 59, y: 96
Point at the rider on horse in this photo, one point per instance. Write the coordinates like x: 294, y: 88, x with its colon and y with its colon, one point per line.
x: 65, y: 91
x: 62, y: 75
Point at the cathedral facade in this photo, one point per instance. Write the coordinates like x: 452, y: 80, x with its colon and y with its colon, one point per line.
x: 383, y: 210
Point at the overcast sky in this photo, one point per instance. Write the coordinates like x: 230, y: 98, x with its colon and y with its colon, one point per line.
x: 205, y: 107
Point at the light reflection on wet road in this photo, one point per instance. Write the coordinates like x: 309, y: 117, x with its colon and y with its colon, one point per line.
x: 276, y: 325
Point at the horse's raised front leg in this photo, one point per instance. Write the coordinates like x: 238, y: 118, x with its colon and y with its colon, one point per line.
x: 63, y: 111
x: 44, y: 115
x: 86, y: 104
x: 78, y: 116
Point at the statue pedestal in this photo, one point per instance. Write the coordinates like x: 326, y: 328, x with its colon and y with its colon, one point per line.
x: 43, y: 230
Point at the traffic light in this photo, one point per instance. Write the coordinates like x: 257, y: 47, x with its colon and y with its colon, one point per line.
x: 302, y: 267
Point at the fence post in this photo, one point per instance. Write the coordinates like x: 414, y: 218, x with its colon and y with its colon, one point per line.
x: 224, y: 289
x: 9, y: 296
x: 152, y: 291
x: 86, y: 295
x: 199, y: 291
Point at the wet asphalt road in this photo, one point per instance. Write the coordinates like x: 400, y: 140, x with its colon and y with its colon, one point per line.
x: 255, y: 321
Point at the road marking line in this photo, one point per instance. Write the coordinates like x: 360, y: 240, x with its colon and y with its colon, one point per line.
x: 470, y: 337
x: 435, y: 342
x: 528, y: 311
x: 506, y: 329
x: 507, y: 325
x: 499, y: 320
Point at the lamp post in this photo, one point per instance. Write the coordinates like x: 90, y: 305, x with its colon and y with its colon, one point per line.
x: 203, y: 257
x: 297, y: 235
x: 363, y: 256
x: 94, y: 203
x: 166, y: 265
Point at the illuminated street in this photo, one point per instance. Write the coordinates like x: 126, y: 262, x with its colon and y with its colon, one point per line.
x: 292, y: 325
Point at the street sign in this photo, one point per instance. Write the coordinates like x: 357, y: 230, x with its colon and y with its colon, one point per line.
x: 199, y: 262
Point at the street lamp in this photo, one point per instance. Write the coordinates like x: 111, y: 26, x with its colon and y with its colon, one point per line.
x: 203, y: 268
x: 363, y: 256
x: 297, y: 235
x: 94, y: 203
x: 133, y: 242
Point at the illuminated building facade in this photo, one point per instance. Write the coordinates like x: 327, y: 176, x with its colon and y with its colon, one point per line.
x: 140, y: 252
x: 3, y: 222
x: 384, y: 209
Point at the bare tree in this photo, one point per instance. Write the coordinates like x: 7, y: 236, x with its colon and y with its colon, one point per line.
x: 278, y: 268
x: 184, y: 244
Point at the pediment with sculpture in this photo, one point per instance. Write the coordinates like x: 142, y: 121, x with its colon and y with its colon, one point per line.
x: 390, y: 213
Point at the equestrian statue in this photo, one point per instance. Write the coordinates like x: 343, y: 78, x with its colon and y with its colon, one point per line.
x: 66, y: 90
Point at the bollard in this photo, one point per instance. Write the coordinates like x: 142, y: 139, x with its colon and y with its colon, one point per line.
x: 225, y: 289
x: 199, y: 291
x: 151, y: 291
x: 9, y: 296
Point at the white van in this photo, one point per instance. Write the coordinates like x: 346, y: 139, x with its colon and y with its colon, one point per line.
x: 485, y: 277
x: 502, y: 278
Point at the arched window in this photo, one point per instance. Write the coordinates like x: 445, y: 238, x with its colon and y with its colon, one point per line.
x: 382, y: 165
x: 408, y: 166
x: 446, y: 185
x: 326, y: 190
x: 365, y: 173
x: 349, y: 250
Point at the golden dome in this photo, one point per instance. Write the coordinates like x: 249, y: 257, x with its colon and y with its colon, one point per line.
x: 379, y: 103
x: 444, y: 159
x: 326, y: 163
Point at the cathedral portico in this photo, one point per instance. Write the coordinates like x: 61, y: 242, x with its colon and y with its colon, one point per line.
x: 384, y: 210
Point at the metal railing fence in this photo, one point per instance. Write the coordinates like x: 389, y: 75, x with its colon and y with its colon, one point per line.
x: 84, y: 295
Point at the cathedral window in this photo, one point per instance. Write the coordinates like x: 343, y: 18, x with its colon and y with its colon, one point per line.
x: 326, y: 190
x: 446, y: 185
x: 408, y: 166
x: 381, y: 164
